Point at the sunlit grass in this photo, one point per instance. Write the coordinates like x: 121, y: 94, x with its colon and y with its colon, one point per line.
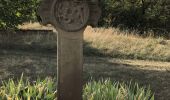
x: 100, y: 90
x: 124, y: 44
x: 39, y: 90
x: 117, y: 43
x: 107, y: 90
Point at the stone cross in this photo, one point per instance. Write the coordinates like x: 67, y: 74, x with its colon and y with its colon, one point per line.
x: 70, y: 18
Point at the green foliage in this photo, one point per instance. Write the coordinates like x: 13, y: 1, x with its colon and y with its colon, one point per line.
x: 106, y: 90
x: 134, y: 14
x: 46, y: 90
x: 14, y: 12
x: 138, y: 14
x: 40, y: 90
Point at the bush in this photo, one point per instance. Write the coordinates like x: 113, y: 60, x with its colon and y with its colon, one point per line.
x: 139, y: 14
x: 14, y: 12
x: 46, y: 90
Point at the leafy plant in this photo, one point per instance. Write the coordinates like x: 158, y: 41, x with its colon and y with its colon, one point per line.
x: 136, y: 14
x: 39, y: 90
x: 14, y: 12
x: 107, y: 90
x: 46, y: 90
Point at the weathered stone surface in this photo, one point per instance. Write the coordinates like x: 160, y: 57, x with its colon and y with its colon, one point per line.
x: 44, y: 11
x: 70, y: 65
x: 70, y: 17
x: 95, y: 13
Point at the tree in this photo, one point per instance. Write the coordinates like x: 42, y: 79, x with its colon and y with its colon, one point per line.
x: 14, y: 12
x: 142, y: 15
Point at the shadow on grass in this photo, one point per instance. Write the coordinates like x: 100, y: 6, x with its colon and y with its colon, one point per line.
x: 89, y: 50
x: 33, y: 65
x: 44, y: 65
x: 158, y: 80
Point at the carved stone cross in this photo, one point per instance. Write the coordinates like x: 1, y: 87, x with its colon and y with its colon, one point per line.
x: 70, y: 18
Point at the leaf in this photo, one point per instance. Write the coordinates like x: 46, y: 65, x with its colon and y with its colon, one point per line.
x: 18, y: 14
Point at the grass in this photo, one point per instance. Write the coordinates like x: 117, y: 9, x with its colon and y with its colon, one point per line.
x: 107, y: 90
x: 127, y: 45
x: 39, y: 90
x: 117, y: 43
x: 110, y: 42
x: 46, y: 90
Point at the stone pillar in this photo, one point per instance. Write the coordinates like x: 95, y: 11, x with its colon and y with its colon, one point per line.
x: 70, y: 65
x: 70, y: 17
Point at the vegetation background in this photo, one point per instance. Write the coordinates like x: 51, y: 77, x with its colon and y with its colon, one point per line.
x: 119, y: 53
x: 142, y: 15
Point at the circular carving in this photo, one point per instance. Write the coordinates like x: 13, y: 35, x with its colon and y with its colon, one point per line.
x: 71, y: 15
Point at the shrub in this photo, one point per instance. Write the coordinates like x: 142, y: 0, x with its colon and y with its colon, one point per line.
x: 139, y: 14
x: 107, y: 90
x: 14, y: 12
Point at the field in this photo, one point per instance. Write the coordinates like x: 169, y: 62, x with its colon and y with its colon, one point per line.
x: 109, y: 53
x: 125, y: 44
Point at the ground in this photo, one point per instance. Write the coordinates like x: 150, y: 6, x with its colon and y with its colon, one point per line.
x: 34, y: 64
x: 155, y: 74
x: 108, y: 53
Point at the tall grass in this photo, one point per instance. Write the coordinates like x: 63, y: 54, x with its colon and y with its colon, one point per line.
x: 39, y: 90
x: 125, y: 44
x: 107, y: 90
x: 46, y: 90
x: 114, y: 42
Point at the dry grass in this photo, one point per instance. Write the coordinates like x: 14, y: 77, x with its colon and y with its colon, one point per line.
x: 115, y: 43
x: 34, y: 26
x: 110, y: 42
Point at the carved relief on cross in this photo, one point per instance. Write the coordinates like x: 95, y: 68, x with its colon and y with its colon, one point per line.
x: 70, y: 15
